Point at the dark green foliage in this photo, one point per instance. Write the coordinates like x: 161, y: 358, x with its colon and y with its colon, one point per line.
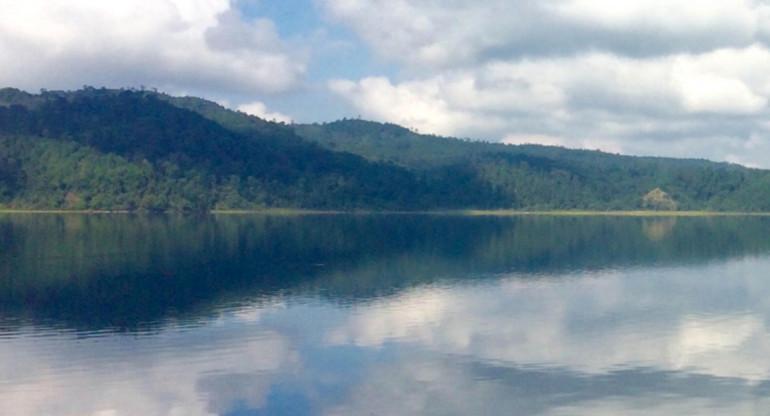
x: 106, y: 271
x: 546, y: 177
x: 137, y: 150
x: 105, y: 149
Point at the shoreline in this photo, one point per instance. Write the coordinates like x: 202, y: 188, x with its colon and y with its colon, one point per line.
x: 634, y: 213
x: 461, y: 212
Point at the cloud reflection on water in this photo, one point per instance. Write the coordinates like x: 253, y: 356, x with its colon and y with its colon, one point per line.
x: 173, y: 372
x: 614, y: 342
x: 647, y: 321
x: 623, y: 342
x: 594, y: 323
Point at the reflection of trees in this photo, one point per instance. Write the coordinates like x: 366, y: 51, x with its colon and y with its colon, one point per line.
x: 115, y: 270
x: 658, y: 228
x: 550, y: 244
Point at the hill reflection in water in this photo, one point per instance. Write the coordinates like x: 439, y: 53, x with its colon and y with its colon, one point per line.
x: 383, y: 314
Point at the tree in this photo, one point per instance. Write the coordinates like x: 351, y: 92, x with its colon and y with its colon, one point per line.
x: 658, y: 200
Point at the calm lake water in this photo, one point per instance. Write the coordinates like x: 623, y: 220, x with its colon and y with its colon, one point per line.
x: 383, y: 315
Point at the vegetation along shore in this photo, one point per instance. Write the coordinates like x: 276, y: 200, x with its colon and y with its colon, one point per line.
x: 101, y: 150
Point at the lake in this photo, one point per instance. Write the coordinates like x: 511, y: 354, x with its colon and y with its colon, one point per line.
x: 383, y: 315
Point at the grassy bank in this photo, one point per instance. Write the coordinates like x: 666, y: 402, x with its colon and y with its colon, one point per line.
x: 501, y: 212
x: 59, y: 211
x: 638, y: 213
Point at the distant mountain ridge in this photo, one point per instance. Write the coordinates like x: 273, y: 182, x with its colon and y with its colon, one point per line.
x: 101, y: 149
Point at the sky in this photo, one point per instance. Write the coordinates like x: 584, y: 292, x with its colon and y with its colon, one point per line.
x: 639, y: 77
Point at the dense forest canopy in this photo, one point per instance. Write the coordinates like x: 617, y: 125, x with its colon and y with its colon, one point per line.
x: 106, y: 149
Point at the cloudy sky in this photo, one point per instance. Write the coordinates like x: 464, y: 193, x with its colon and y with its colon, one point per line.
x: 644, y: 77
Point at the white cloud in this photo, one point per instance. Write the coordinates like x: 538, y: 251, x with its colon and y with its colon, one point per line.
x: 418, y: 105
x: 678, y: 17
x: 532, y: 139
x: 662, y: 77
x: 595, y: 100
x: 174, y: 44
x: 259, y: 109
x: 448, y: 34
x: 637, y: 76
x: 720, y: 95
x: 661, y: 407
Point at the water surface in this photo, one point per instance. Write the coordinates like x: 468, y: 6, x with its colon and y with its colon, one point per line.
x: 383, y: 315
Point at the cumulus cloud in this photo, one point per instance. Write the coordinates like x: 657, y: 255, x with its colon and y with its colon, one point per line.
x: 568, y: 97
x: 431, y: 34
x: 641, y: 77
x: 645, y: 77
x: 260, y: 110
x: 419, y: 105
x: 532, y: 139
x: 174, y: 44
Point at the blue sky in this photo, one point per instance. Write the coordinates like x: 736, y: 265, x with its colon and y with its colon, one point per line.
x: 641, y: 77
x: 335, y: 53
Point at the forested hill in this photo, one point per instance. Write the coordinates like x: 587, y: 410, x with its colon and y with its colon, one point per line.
x: 139, y: 150
x: 129, y: 150
x: 548, y: 177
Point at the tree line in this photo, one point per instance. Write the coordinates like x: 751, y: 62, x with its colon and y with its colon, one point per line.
x: 100, y: 149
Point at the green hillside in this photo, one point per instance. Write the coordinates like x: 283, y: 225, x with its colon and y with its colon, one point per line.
x: 131, y: 150
x: 547, y: 177
x: 136, y: 150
